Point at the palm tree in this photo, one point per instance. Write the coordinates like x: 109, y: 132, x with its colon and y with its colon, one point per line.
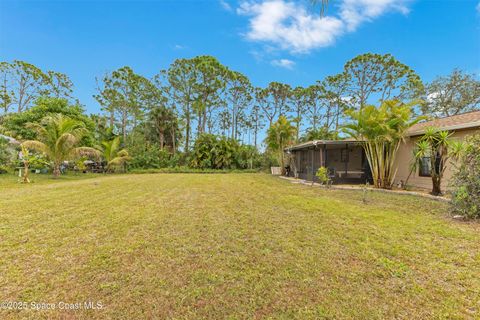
x: 165, y: 125
x: 113, y: 155
x: 382, y: 130
x: 279, y: 136
x: 58, y: 138
x: 439, y: 148
x: 323, y: 5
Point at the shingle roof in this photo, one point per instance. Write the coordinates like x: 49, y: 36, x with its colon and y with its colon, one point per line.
x: 461, y: 121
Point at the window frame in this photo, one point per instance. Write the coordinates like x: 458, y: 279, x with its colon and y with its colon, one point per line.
x: 421, y: 173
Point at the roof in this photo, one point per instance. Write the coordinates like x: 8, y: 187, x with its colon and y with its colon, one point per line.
x: 457, y: 122
x: 314, y: 143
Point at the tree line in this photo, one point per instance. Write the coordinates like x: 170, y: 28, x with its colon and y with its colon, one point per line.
x: 168, y: 112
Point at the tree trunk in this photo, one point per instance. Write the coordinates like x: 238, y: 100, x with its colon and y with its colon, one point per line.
x: 112, y: 119
x: 437, y: 185
x: 56, y: 170
x: 26, y: 167
x: 187, y: 133
x: 174, y: 144
x: 124, y: 126
x: 161, y: 137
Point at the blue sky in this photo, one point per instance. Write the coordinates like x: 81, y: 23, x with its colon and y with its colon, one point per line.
x: 272, y: 40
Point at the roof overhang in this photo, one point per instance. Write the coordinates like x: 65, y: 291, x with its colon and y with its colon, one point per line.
x: 315, y: 143
x: 463, y: 126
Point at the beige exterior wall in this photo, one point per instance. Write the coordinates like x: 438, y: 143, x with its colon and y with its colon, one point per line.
x: 405, y: 156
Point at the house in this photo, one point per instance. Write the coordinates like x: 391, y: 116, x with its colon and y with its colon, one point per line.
x: 460, y: 126
x: 346, y: 161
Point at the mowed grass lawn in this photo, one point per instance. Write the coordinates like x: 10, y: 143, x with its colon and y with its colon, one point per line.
x: 232, y: 246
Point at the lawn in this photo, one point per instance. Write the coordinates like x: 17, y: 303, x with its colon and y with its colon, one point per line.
x: 238, y: 246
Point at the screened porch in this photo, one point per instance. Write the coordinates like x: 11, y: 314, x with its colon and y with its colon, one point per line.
x: 345, y: 161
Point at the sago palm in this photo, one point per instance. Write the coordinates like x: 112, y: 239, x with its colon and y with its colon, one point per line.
x: 58, y: 138
x: 113, y: 154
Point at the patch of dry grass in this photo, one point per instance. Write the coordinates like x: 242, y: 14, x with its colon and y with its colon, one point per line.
x: 191, y: 246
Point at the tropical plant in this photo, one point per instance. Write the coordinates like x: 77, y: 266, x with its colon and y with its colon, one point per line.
x: 381, y: 130
x: 437, y: 146
x: 281, y: 134
x: 163, y: 127
x: 249, y: 157
x: 323, y: 5
x: 114, y: 155
x: 26, y: 164
x: 58, y: 138
x: 466, y: 181
x: 212, y: 152
x: 203, y: 151
x: 151, y: 156
x: 319, y: 134
x: 322, y: 175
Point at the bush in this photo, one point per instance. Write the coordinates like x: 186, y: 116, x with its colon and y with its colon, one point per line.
x: 6, y: 152
x: 249, y: 157
x: 214, y: 152
x: 322, y: 175
x: 152, y: 157
x: 466, y: 182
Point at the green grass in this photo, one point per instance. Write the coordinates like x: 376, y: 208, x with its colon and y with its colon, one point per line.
x: 230, y: 246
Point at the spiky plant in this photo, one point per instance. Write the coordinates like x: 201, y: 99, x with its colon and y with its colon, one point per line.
x: 440, y: 148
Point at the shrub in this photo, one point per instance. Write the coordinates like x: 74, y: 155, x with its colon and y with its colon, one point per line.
x: 249, y: 157
x: 152, y: 157
x: 322, y: 175
x: 466, y: 182
x: 6, y: 152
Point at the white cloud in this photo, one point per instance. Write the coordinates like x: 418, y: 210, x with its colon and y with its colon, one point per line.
x: 354, y: 12
x: 179, y: 47
x: 289, y: 26
x: 283, y: 63
x: 478, y: 7
x: 225, y: 5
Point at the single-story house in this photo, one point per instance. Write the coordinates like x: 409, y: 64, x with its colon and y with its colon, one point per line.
x: 460, y: 126
x: 346, y: 161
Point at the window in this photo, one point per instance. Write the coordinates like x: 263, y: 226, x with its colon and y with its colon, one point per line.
x: 425, y: 167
